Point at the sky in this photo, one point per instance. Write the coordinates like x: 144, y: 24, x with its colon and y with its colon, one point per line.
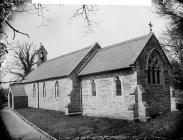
x: 115, y: 24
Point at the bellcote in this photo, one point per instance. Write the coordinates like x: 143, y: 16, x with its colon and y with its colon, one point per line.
x: 41, y: 55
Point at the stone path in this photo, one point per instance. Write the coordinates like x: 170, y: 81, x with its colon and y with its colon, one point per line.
x: 18, y: 128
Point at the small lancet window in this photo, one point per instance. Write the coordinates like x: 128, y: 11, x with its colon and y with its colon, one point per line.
x: 93, y: 87
x: 117, y: 85
x: 44, y: 90
x: 34, y: 90
x: 57, y: 89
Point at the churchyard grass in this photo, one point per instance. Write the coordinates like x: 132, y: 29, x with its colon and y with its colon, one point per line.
x: 60, y: 126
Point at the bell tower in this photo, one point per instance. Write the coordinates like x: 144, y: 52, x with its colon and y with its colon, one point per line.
x: 41, y: 55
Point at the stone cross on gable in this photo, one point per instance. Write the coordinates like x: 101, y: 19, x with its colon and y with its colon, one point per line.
x: 150, y: 25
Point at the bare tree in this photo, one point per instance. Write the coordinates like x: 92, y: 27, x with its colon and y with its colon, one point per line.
x: 7, y: 8
x: 23, y: 62
x: 177, y: 72
x: 172, y: 43
x: 173, y: 10
x: 172, y: 38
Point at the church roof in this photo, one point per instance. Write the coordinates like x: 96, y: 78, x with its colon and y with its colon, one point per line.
x: 58, y: 67
x: 17, y: 90
x: 117, y: 56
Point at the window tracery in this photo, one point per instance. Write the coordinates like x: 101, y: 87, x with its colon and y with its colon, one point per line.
x: 153, y: 70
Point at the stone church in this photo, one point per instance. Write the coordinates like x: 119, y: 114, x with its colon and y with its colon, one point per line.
x: 128, y: 80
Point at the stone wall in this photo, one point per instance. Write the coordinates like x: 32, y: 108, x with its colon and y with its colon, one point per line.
x: 50, y: 101
x: 157, y: 96
x: 106, y: 103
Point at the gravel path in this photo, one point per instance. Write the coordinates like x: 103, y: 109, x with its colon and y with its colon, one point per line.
x: 20, y: 129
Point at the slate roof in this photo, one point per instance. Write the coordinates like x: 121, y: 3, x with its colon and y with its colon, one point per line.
x: 58, y: 67
x: 18, y: 90
x: 116, y: 56
x: 113, y: 57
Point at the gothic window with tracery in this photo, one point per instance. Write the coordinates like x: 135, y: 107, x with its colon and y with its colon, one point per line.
x: 153, y: 71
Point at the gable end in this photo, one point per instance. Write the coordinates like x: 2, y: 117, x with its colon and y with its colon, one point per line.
x: 152, y: 44
x: 86, y: 59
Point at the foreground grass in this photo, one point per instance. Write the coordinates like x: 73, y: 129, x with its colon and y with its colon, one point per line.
x: 55, y: 123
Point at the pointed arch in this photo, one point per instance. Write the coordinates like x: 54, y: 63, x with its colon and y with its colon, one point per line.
x: 93, y: 87
x: 57, y: 94
x: 153, y: 67
x: 44, y: 90
x: 117, y: 86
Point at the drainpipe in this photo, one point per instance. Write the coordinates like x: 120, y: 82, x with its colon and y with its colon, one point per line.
x: 81, y: 101
x: 38, y: 95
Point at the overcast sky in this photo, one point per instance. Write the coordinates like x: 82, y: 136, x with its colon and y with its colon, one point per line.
x: 115, y: 24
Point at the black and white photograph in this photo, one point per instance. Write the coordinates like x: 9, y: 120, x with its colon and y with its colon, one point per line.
x: 91, y: 70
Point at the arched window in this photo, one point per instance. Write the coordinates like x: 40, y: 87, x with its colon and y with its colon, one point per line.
x: 57, y: 89
x: 117, y: 86
x: 44, y: 90
x: 34, y: 90
x: 93, y: 87
x: 153, y: 71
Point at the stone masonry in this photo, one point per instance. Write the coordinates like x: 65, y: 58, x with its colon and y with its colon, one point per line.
x: 156, y: 96
x: 106, y: 103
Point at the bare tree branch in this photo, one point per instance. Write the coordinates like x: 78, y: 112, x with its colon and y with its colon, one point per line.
x: 15, y: 30
x: 7, y: 7
x: 86, y: 12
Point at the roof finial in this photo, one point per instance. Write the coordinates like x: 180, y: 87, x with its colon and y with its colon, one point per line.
x: 150, y: 25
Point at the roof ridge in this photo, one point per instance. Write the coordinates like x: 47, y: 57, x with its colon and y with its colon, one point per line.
x: 127, y: 41
x: 69, y: 53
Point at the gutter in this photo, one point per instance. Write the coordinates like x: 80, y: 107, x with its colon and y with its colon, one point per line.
x: 38, y: 95
x: 101, y: 72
